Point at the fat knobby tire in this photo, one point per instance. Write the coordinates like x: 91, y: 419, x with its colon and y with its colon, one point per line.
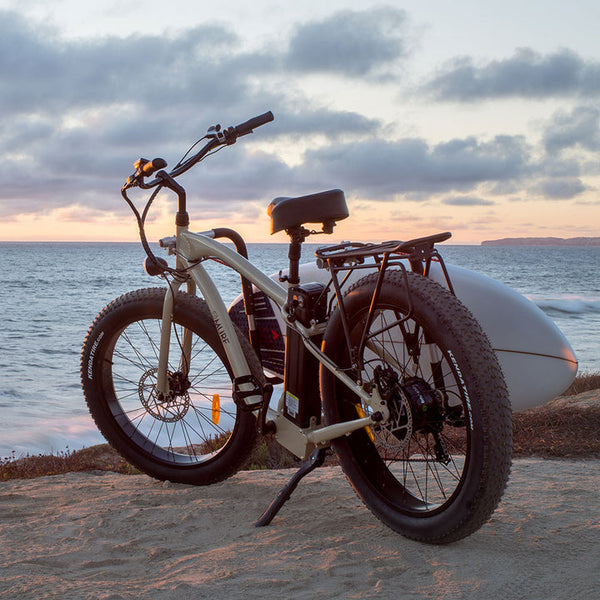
x: 96, y: 376
x: 455, y: 331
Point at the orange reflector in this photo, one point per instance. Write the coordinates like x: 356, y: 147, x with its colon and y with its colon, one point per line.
x: 216, y: 409
x: 362, y: 415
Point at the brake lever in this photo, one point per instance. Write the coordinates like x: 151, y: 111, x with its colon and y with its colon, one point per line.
x: 131, y: 181
x: 226, y: 136
x: 216, y: 133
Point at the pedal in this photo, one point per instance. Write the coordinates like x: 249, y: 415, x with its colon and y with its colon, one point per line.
x: 266, y: 391
x: 317, y: 458
x: 239, y: 397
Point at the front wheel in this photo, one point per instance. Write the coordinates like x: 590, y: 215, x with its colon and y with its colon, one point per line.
x: 436, y: 469
x: 196, y: 435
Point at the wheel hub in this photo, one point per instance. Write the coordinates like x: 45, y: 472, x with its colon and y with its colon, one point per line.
x: 170, y: 408
x: 426, y: 404
x: 178, y: 383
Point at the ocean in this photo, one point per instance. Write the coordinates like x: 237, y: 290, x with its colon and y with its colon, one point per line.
x: 51, y: 292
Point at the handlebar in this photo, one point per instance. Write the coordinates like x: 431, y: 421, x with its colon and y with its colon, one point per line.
x: 250, y: 124
x: 216, y: 137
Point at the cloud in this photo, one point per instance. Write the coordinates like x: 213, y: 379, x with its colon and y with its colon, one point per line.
x: 561, y: 189
x: 557, y: 166
x: 333, y: 124
x: 349, y: 43
x: 78, y: 112
x: 201, y: 67
x: 236, y: 174
x: 41, y: 72
x: 526, y: 74
x: 578, y: 128
x: 466, y: 201
x: 385, y: 169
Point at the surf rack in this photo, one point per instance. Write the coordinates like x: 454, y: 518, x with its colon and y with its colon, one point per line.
x: 350, y: 256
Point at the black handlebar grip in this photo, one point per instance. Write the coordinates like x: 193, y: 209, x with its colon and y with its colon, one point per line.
x: 248, y: 126
x: 153, y: 165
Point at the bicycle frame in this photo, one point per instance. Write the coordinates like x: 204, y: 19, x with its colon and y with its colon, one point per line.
x: 191, y: 250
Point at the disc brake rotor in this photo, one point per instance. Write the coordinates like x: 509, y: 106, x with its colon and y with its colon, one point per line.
x: 170, y: 409
x: 395, y: 433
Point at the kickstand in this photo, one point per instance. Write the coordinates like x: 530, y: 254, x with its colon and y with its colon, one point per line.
x: 317, y: 458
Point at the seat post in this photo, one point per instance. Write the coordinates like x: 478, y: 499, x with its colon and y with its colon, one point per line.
x: 297, y: 235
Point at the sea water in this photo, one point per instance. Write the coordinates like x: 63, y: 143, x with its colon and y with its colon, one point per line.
x: 51, y: 292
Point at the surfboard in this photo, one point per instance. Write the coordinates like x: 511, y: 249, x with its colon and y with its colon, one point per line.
x: 536, y: 358
x: 537, y: 361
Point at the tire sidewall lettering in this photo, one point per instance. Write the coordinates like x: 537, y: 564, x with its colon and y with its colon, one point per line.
x: 90, y: 363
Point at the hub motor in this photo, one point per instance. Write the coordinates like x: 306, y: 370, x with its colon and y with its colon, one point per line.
x: 426, y: 404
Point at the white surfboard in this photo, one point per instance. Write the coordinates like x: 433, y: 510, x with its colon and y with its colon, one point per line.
x: 537, y: 360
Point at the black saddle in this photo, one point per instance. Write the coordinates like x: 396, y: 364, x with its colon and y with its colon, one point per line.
x: 324, y: 207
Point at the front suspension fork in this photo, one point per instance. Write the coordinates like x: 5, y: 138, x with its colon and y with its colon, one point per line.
x: 162, y: 383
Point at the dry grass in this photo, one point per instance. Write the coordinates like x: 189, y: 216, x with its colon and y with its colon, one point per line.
x: 561, y: 432
x: 557, y: 433
x: 271, y: 455
x: 584, y: 382
x: 547, y: 431
x: 95, y: 458
x: 267, y: 455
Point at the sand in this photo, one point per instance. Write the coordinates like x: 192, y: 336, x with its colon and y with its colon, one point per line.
x: 110, y: 536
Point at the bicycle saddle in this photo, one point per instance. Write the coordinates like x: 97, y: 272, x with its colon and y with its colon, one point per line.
x: 323, y: 207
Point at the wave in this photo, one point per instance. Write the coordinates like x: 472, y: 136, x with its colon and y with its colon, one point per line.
x: 569, y: 304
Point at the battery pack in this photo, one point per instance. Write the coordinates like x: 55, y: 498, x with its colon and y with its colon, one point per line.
x: 302, y: 399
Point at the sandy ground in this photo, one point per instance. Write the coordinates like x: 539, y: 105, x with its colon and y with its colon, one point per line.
x: 110, y: 536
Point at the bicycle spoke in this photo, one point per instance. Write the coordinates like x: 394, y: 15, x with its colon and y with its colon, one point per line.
x: 182, y: 425
x: 430, y: 466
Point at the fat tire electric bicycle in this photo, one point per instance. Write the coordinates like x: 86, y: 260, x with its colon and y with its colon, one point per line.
x: 381, y: 364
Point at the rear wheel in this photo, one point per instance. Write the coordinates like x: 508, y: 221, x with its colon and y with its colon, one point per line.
x: 437, y: 468
x: 197, y: 435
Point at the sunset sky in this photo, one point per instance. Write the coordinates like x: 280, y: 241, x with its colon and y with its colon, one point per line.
x: 481, y: 118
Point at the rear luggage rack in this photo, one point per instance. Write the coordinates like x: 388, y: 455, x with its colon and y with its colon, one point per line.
x: 419, y: 252
x: 350, y: 256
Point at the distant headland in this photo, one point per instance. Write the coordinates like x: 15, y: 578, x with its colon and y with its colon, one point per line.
x: 544, y: 241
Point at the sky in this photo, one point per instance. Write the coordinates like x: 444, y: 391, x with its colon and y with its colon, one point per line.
x: 479, y: 118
